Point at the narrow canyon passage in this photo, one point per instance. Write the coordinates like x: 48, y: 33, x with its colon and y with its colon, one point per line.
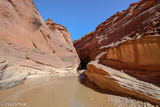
x: 118, y: 62
x: 54, y: 92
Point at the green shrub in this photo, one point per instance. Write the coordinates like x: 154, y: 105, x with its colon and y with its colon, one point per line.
x: 37, y: 23
x: 35, y: 49
x: 64, y: 59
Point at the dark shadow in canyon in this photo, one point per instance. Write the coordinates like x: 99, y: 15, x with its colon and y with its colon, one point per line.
x: 82, y: 66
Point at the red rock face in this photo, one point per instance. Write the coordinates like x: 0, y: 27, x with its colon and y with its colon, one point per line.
x: 122, y: 84
x: 141, y: 18
x: 61, y: 29
x: 139, y: 54
x: 27, y: 42
x: 122, y: 54
x: 25, y: 34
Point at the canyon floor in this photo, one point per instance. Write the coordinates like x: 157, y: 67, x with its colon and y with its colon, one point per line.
x: 62, y: 90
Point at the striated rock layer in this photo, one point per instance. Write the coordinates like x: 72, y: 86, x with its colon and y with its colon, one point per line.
x: 139, y: 19
x: 29, y: 44
x: 122, y: 84
x: 124, y: 52
x: 138, y: 54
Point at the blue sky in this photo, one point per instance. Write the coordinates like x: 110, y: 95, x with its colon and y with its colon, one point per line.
x: 80, y: 16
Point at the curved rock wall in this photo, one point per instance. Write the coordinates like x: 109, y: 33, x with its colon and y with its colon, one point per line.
x: 140, y: 18
x: 29, y: 44
x: 122, y: 54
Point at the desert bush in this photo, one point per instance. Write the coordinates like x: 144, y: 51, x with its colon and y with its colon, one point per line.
x: 64, y: 59
x: 37, y: 23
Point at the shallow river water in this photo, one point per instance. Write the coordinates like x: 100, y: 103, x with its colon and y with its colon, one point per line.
x: 52, y: 92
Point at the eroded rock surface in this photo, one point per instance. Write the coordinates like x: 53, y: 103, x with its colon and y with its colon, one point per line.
x: 138, y: 54
x: 140, y: 19
x: 29, y: 44
x: 121, y: 83
x: 122, y: 54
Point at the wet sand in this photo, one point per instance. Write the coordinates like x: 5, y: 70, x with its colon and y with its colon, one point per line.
x: 54, y: 92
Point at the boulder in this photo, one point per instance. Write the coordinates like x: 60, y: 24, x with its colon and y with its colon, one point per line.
x: 120, y: 83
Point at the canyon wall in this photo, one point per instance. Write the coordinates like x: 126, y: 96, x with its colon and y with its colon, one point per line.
x: 122, y: 54
x: 139, y: 19
x: 28, y: 44
x: 138, y: 54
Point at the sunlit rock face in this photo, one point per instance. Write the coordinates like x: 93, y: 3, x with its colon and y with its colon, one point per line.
x: 120, y: 83
x: 138, y: 54
x: 61, y: 31
x: 140, y: 19
x: 127, y: 44
x: 28, y: 43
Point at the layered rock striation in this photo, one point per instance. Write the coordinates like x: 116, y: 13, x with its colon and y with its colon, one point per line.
x: 140, y: 19
x: 122, y: 54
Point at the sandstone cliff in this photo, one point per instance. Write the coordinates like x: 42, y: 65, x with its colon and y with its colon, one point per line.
x: 138, y: 20
x: 28, y: 44
x: 122, y: 54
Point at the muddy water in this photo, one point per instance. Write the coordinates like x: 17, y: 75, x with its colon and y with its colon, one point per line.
x: 53, y: 92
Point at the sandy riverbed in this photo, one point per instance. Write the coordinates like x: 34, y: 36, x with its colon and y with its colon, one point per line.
x: 54, y: 92
x: 62, y: 88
